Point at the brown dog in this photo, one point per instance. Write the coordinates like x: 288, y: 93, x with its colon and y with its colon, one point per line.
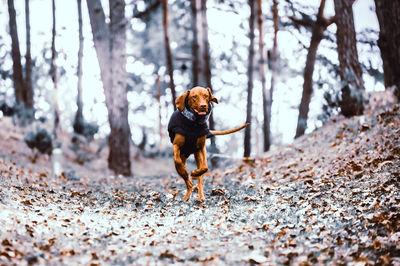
x: 188, y: 130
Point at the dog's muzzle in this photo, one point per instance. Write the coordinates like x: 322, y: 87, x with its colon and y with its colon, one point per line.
x: 190, y: 114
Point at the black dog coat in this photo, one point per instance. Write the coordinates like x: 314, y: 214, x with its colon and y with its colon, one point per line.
x: 190, y: 125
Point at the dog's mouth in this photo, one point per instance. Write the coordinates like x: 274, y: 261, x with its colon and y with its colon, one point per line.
x: 201, y: 112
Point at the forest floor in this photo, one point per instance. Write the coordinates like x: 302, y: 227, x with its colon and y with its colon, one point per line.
x: 332, y: 197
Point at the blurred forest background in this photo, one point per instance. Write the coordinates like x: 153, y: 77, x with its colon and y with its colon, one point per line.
x: 111, y: 70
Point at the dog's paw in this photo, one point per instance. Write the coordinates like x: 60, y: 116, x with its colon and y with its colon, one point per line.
x: 199, y: 172
x: 187, y: 196
x: 200, y: 198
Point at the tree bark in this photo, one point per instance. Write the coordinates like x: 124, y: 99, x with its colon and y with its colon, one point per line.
x: 110, y: 44
x: 207, y: 64
x: 201, y: 65
x: 350, y: 69
x: 273, y: 57
x: 196, y: 64
x: 79, y: 112
x: 28, y: 95
x: 53, y: 71
x: 160, y: 125
x: 318, y: 29
x: 119, y: 140
x: 16, y: 55
x: 200, y: 55
x: 388, y: 13
x: 247, y: 133
x: 267, y: 100
x: 168, y: 52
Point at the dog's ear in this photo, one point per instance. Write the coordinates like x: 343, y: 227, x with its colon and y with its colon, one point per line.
x: 212, y: 98
x: 180, y: 101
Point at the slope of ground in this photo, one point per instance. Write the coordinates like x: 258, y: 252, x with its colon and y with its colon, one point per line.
x: 330, y: 198
x: 82, y: 160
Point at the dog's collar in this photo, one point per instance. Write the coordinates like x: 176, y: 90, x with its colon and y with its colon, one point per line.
x: 190, y: 114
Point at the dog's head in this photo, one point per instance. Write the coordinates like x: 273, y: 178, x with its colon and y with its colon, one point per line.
x: 198, y: 99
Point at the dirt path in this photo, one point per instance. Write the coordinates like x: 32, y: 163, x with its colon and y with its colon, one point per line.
x: 330, y: 198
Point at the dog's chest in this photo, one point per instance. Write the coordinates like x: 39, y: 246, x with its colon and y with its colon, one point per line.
x: 191, y: 130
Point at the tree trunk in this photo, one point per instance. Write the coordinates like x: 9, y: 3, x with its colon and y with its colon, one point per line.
x: 200, y: 54
x: 28, y: 95
x: 79, y: 113
x: 318, y: 29
x: 247, y: 133
x: 273, y: 58
x: 201, y: 65
x: 207, y: 64
x: 53, y: 71
x: 205, y: 45
x: 267, y: 101
x: 16, y: 55
x: 119, y: 140
x: 388, y: 13
x: 350, y: 69
x: 196, y: 64
x: 160, y: 126
x: 168, y: 52
x: 109, y: 42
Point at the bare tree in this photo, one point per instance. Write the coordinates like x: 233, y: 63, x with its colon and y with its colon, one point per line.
x: 207, y: 62
x: 273, y: 57
x: 79, y: 115
x: 352, y: 102
x: 318, y: 28
x: 267, y: 100
x: 168, y: 52
x: 22, y: 86
x: 110, y: 44
x: 201, y: 65
x: 160, y: 125
x: 53, y: 71
x: 388, y: 13
x: 28, y: 95
x: 247, y: 133
x: 201, y: 70
x: 16, y: 55
x: 196, y: 63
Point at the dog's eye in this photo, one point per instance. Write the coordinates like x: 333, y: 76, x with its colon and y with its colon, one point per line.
x: 194, y: 96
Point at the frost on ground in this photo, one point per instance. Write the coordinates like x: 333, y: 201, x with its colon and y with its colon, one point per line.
x: 330, y: 198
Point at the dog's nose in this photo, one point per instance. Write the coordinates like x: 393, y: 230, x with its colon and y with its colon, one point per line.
x: 203, y: 105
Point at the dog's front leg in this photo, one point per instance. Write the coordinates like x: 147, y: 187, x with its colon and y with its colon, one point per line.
x: 201, y: 161
x: 180, y: 166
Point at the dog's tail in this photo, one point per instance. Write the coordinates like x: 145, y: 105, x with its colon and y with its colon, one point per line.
x: 226, y: 132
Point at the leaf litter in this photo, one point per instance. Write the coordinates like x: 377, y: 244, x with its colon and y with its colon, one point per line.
x: 332, y: 197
